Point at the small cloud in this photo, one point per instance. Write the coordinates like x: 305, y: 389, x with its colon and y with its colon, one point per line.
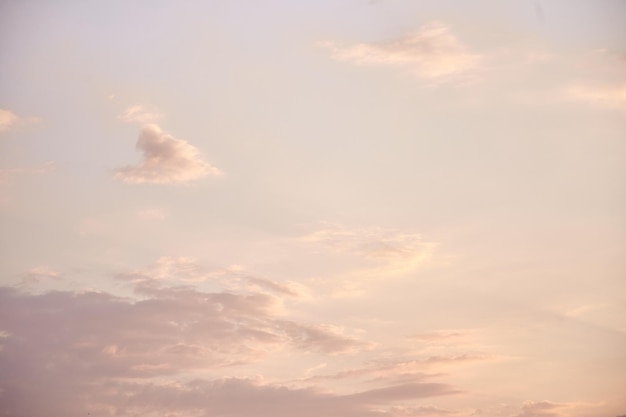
x: 166, y: 160
x: 38, y: 275
x: 440, y: 336
x: 604, y: 96
x: 138, y: 114
x: 9, y: 120
x: 323, y: 338
x: 398, y: 251
x: 432, y: 53
x: 8, y: 174
x: 177, y: 268
x: 539, y: 409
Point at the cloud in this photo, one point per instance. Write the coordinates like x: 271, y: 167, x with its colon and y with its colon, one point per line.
x: 38, y: 275
x: 322, y: 338
x: 605, y: 96
x: 7, y: 119
x: 425, y: 410
x: 399, y: 252
x: 166, y: 160
x: 403, y: 370
x: 539, y: 409
x: 94, y: 352
x: 432, y: 53
x: 248, y: 397
x: 138, y: 114
x: 8, y: 174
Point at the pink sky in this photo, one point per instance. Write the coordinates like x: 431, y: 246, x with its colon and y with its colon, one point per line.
x: 282, y: 208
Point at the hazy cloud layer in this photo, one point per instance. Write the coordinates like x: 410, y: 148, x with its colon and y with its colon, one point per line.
x: 433, y: 53
x: 166, y: 160
x: 99, y: 353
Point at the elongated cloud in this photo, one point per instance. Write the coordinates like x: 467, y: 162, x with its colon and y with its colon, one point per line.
x: 605, y: 96
x: 166, y: 160
x: 396, y: 250
x: 433, y: 52
x: 139, y: 114
x: 9, y: 120
x: 540, y: 409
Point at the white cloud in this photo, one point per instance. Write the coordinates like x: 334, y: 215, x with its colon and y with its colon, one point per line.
x: 139, y: 114
x: 433, y: 53
x: 166, y: 160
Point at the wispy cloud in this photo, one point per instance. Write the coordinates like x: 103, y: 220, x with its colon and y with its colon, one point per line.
x: 139, y: 114
x: 433, y: 53
x: 613, y: 96
x: 166, y: 160
x: 9, y: 120
x: 38, y: 275
x: 540, y: 409
x: 397, y: 251
x: 8, y: 174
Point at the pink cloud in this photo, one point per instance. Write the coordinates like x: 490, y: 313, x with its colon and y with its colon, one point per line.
x: 10, y: 120
x: 433, y: 53
x: 395, y: 252
x: 139, y: 114
x: 76, y: 352
x: 7, y: 119
x: 166, y: 160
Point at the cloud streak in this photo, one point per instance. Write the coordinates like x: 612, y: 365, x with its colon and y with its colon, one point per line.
x: 397, y: 251
x: 166, y: 160
x: 599, y: 95
x: 138, y: 114
x: 432, y: 53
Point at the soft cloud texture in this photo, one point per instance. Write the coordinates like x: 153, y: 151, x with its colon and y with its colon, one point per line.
x: 7, y: 119
x: 397, y: 251
x: 540, y: 409
x: 433, y: 53
x: 139, y: 114
x: 72, y: 350
x: 600, y: 95
x: 166, y: 160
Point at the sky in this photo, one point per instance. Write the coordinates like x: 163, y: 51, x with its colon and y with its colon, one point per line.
x: 272, y: 208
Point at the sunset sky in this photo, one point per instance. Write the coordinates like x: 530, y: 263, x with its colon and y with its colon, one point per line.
x: 309, y: 208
